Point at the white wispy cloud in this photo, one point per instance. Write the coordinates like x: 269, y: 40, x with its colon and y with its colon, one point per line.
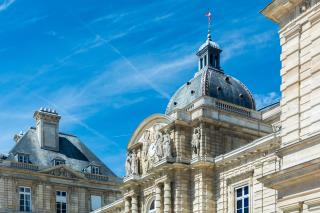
x: 263, y: 100
x: 163, y: 17
x: 237, y: 42
x: 5, y: 4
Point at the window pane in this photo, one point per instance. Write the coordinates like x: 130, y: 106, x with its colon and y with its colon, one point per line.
x: 246, y: 202
x: 239, y: 211
x: 246, y: 210
x: 63, y: 194
x: 239, y: 192
x: 27, y: 189
x: 58, y: 207
x: 246, y: 190
x: 152, y: 207
x: 239, y: 204
x: 58, y: 193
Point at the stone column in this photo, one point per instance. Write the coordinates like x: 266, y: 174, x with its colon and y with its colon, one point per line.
x: 158, y: 198
x: 134, y: 204
x: 167, y: 197
x: 126, y: 205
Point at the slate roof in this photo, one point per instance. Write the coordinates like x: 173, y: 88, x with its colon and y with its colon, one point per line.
x: 76, y: 155
x: 213, y: 83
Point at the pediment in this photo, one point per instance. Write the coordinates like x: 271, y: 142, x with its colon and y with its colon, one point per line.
x: 148, y: 127
x: 62, y: 171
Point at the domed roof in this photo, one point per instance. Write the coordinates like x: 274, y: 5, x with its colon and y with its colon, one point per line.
x: 212, y: 83
x: 210, y: 43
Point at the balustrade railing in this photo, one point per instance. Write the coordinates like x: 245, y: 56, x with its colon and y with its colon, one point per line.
x: 21, y: 165
x: 231, y: 108
x: 96, y: 177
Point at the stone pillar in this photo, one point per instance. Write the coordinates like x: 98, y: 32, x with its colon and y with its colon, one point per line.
x: 167, y: 197
x: 158, y: 198
x: 134, y: 204
x: 126, y: 205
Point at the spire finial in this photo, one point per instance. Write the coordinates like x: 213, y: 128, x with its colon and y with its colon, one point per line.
x: 209, y: 15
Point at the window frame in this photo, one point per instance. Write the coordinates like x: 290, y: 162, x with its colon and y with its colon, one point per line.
x: 95, y: 195
x: 58, y: 201
x: 61, y: 162
x: 25, y: 158
x: 242, y: 198
x: 24, y: 193
x: 237, y: 182
x: 95, y: 169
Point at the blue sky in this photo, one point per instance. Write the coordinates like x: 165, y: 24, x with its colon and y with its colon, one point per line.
x: 106, y: 65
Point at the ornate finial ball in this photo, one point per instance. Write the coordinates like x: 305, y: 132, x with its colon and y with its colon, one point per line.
x: 41, y: 108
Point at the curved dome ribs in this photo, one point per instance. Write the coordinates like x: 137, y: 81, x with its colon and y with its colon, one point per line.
x: 211, y: 81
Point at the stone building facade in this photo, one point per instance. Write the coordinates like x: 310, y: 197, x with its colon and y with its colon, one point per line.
x: 48, y: 171
x: 212, y: 151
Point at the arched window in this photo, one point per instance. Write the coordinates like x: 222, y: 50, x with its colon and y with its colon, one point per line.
x: 152, y: 207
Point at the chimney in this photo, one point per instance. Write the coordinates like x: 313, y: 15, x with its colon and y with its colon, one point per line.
x: 47, y: 128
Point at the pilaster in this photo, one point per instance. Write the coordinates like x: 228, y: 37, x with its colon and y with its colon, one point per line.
x: 167, y: 197
x: 158, y: 198
x: 134, y: 203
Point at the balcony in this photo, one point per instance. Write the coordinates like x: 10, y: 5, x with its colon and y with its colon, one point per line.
x: 20, y: 165
x: 96, y: 177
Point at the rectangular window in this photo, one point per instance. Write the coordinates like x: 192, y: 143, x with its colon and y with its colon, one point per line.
x: 95, y: 202
x: 95, y: 170
x: 25, y: 199
x: 201, y: 63
x: 57, y: 162
x: 61, y: 202
x: 23, y: 158
x: 242, y: 199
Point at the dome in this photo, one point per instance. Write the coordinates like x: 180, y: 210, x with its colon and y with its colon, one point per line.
x: 215, y: 84
x: 209, y: 43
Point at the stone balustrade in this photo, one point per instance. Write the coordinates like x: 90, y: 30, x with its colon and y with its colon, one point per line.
x: 96, y: 177
x: 20, y: 165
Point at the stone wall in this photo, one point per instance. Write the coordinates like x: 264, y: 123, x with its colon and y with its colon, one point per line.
x: 43, y: 195
x: 247, y: 172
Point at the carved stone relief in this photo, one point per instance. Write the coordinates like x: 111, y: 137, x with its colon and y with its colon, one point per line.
x: 132, y: 163
x: 156, y: 146
x: 62, y: 173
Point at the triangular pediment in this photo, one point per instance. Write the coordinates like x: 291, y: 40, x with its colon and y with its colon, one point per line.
x: 62, y: 171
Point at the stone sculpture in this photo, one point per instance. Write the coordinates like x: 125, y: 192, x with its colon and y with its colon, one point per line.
x: 167, y: 145
x: 196, y: 142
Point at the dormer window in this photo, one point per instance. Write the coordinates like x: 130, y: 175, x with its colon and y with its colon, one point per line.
x: 95, y: 170
x: 57, y: 162
x: 23, y: 158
